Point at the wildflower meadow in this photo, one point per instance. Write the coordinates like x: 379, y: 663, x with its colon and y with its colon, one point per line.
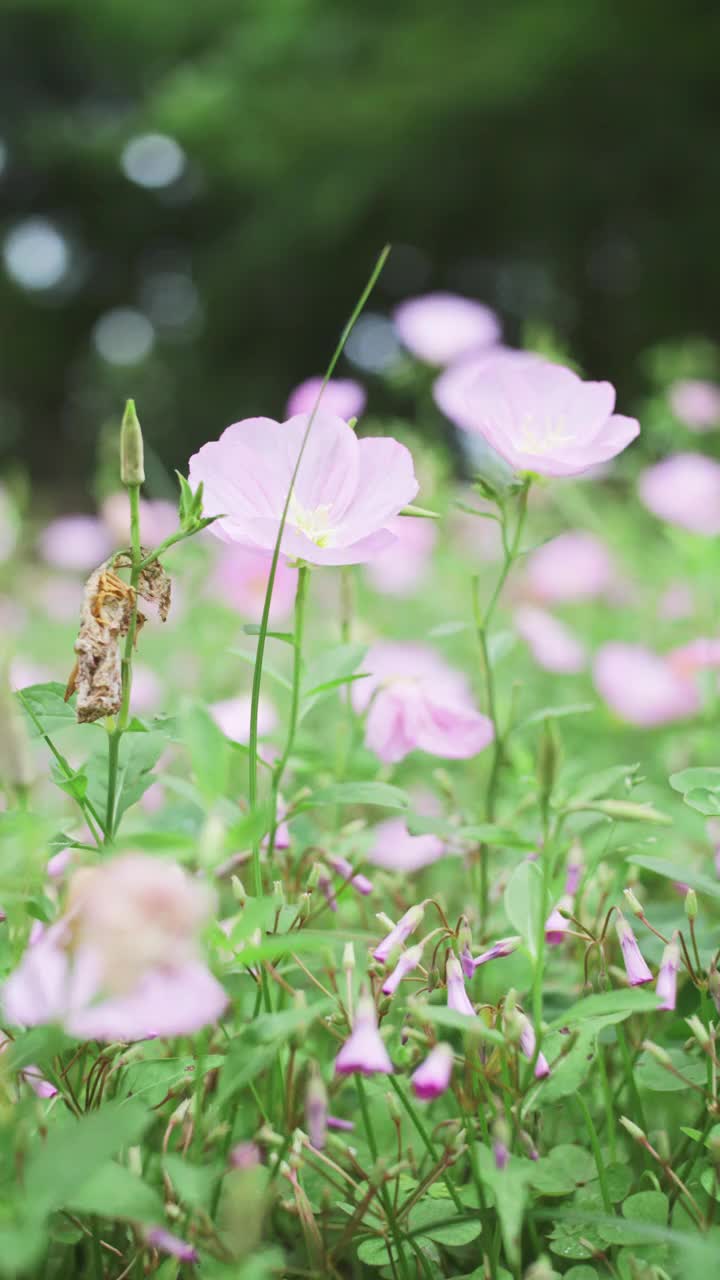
x: 360, y: 833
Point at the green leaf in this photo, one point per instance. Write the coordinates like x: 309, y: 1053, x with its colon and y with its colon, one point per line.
x: 614, y: 1006
x: 254, y: 629
x: 22, y: 1245
x: 690, y: 779
x: 598, y: 784
x: 243, y: 1067
x: 373, y: 793
x: 450, y: 1020
x: 679, y: 871
x: 194, y: 1183
x: 650, y: 1207
x: 478, y: 833
x: 709, y: 1181
x: 563, y: 1171
x: 621, y: 811
x: 581, y: 1273
x: 114, y: 1192
x: 703, y: 801
x: 374, y: 1252
x: 435, y: 1221
x: 209, y: 752
x: 509, y: 1187
x: 79, y: 1148
x: 570, y: 1070
x: 39, y: 1046
x: 523, y: 902
x: 618, y: 1179
x: 650, y: 1074
x: 553, y: 713
x: 47, y: 702
x: 137, y: 756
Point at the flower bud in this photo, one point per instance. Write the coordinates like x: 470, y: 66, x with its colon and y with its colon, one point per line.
x: 132, y: 466
x: 691, y: 904
x: 658, y: 1053
x: 348, y: 957
x: 633, y: 1129
x: 699, y: 1030
x: 635, y: 906
x: 239, y: 891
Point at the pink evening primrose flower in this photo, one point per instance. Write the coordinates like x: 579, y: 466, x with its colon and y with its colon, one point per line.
x: 232, y: 715
x: 346, y: 492
x: 401, y: 569
x: 364, y: 1050
x: 240, y: 578
x: 684, y: 490
x: 676, y: 602
x: 433, y: 1075
x: 666, y: 985
x: 408, y: 961
x: 698, y: 655
x: 396, y: 850
x: 696, y: 402
x: 440, y: 327
x: 636, y: 969
x: 416, y: 702
x: 641, y: 687
x: 543, y: 418
x: 158, y: 519
x: 400, y: 932
x: 342, y: 397
x: 552, y: 644
x: 457, y: 996
x: 528, y: 1042
x: 123, y: 963
x: 78, y: 543
x: 456, y: 389
x: 575, y: 566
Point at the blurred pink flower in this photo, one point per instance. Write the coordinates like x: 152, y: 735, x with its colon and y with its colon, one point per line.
x: 635, y: 967
x: 25, y: 672
x: 240, y: 581
x: 666, y: 985
x: 440, y: 327
x: 433, y: 1075
x: 342, y: 397
x: 78, y: 543
x: 676, y: 602
x: 698, y: 655
x: 528, y: 1043
x: 60, y: 596
x: 556, y: 926
x: 416, y: 702
x: 232, y: 715
x: 684, y: 490
x: 396, y: 850
x: 408, y: 961
x: 543, y: 418
x: 552, y: 644
x: 400, y: 570
x: 457, y: 996
x: 364, y: 1050
x: 400, y: 932
x: 166, y: 1242
x: 158, y: 519
x: 147, y: 690
x: 696, y: 402
x: 346, y: 491
x: 456, y: 389
x: 573, y: 566
x: 498, y: 951
x: 642, y: 687
x: 123, y: 963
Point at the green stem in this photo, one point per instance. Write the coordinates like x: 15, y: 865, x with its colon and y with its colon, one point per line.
x: 384, y: 1195
x: 594, y: 1143
x: 426, y: 1139
x: 125, y: 665
x: 300, y: 600
x: 89, y: 813
x: 608, y: 1099
x: 630, y: 1076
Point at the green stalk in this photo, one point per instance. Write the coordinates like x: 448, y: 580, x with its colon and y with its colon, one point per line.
x: 384, y: 1196
x: 89, y: 813
x: 126, y: 664
x: 427, y: 1140
x: 594, y: 1143
x: 300, y: 599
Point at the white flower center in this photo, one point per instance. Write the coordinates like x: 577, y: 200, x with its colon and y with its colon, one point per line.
x: 542, y: 437
x: 315, y: 524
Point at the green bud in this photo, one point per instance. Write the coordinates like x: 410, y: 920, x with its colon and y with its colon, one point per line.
x: 548, y: 758
x: 691, y: 904
x: 239, y: 890
x: 132, y: 465
x: 348, y: 957
x: 658, y: 1053
x: 278, y: 893
x: 699, y: 1030
x: 633, y: 1129
x: 634, y: 904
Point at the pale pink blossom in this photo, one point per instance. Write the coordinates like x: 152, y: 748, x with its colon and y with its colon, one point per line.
x: 456, y: 390
x: 400, y: 932
x: 556, y: 925
x: 408, y: 961
x: 642, y: 687
x: 575, y: 566
x: 147, y: 689
x: 316, y: 1110
x: 364, y: 1050
x: 78, y: 543
x: 401, y: 569
x: 60, y: 597
x: 666, y: 985
x: 636, y: 969
x: 553, y: 645
x: 346, y: 492
x: 543, y: 418
x: 684, y: 490
x: 696, y: 403
x: 396, y: 850
x: 676, y: 602
x: 166, y: 1242
x: 24, y: 672
x: 158, y: 519
x: 416, y: 702
x: 232, y: 715
x: 343, y: 397
x: 698, y: 655
x: 498, y: 950
x: 240, y: 580
x: 440, y: 327
x: 433, y: 1075
x: 457, y: 996
x: 528, y: 1045
x: 343, y: 868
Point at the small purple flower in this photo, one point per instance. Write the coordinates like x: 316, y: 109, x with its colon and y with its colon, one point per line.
x: 364, y: 1050
x: 336, y: 1122
x: 245, y: 1155
x: 433, y: 1075
x: 344, y: 869
x: 457, y: 996
x: 528, y: 1042
x: 400, y: 933
x: 635, y: 966
x: 556, y: 926
x: 666, y: 986
x: 504, y: 947
x: 166, y: 1242
x: 325, y: 885
x: 316, y: 1111
x: 466, y: 961
x: 573, y: 872
x: 501, y: 1155
x: 408, y: 961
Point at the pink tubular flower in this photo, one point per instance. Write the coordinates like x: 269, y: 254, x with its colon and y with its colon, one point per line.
x: 433, y: 1075
x: 696, y: 403
x: 358, y: 881
x: 232, y: 715
x: 408, y: 961
x: 336, y: 1122
x: 635, y: 967
x: 541, y: 417
x: 400, y: 933
x: 76, y: 542
x: 666, y: 985
x: 556, y: 926
x: 342, y: 397
x: 396, y: 850
x: 346, y: 492
x: 364, y: 1050
x: 400, y: 570
x: 123, y: 962
x: 240, y: 581
x: 316, y: 1111
x: 166, y: 1242
x: 457, y: 996
x: 440, y: 327
x: 416, y: 702
x: 528, y: 1042
x: 504, y: 947
x: 552, y: 644
x: 244, y: 1155
x: 642, y: 687
x: 575, y: 566
x: 684, y: 490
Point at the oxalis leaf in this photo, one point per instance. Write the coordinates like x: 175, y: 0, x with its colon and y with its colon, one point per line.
x: 80, y: 1148
x: 523, y: 902
x: 681, y: 872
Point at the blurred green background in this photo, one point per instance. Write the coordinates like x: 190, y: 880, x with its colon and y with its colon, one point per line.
x: 194, y: 194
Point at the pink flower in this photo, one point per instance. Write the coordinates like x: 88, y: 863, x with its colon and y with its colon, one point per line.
x: 696, y: 403
x: 123, y: 962
x: 408, y: 961
x: 635, y: 966
x: 641, y: 687
x: 676, y: 602
x: 552, y: 644
x: 342, y: 397
x: 699, y: 655
x: 158, y: 519
x: 358, y: 881
x: 397, y: 850
x: 240, y: 581
x: 316, y: 1111
x: 556, y: 926
x: 497, y: 951
x: 541, y: 417
x: 416, y: 702
x: 456, y: 389
x: 232, y: 715
x: 440, y: 327
x: 575, y: 566
x: 147, y: 690
x: 79, y: 543
x: 166, y: 1242
x: 364, y: 1050
x: 528, y: 1043
x: 684, y: 490
x: 346, y: 490
x: 400, y: 570
x: 666, y: 985
x: 31, y: 1074
x: 457, y: 996
x: 433, y: 1075
x: 400, y: 932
